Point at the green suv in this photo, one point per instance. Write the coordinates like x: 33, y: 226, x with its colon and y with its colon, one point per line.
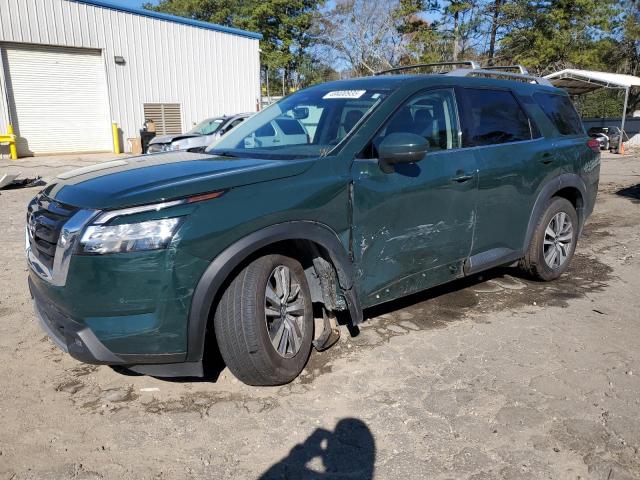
x: 399, y: 183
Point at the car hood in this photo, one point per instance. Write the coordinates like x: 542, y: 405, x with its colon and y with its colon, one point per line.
x: 163, y: 176
x: 171, y: 138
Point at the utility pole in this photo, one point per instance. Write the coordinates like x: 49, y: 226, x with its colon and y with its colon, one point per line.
x: 624, y: 116
x: 268, y: 93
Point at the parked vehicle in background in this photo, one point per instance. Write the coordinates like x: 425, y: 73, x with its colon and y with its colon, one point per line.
x: 608, y: 137
x: 601, y: 134
x: 199, y: 137
x: 615, y: 136
x: 400, y: 183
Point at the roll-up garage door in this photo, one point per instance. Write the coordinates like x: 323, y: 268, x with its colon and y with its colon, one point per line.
x: 59, y: 100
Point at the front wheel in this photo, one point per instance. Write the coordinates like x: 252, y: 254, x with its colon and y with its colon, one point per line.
x: 554, y: 241
x: 264, y: 321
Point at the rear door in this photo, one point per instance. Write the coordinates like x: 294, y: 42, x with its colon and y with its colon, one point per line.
x: 569, y: 140
x: 512, y: 164
x: 568, y: 132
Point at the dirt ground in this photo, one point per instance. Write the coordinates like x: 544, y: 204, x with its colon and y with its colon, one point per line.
x: 489, y: 378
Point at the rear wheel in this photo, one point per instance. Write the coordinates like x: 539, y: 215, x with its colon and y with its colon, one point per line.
x: 554, y: 241
x: 264, y: 321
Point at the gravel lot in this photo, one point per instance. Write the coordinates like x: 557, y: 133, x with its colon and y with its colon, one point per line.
x: 491, y: 377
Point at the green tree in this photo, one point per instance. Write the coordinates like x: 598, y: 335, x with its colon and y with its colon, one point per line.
x: 549, y: 35
x: 602, y: 103
x: 425, y: 43
x: 624, y: 53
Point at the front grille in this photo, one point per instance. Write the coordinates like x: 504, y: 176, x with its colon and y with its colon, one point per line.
x: 45, y: 219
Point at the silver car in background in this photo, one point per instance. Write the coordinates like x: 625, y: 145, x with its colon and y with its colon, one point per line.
x: 199, y: 137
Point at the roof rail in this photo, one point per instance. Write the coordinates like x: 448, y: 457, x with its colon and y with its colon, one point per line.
x: 469, y: 63
x: 468, y: 72
x: 520, y: 68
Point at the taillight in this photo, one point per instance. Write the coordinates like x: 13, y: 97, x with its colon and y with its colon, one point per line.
x: 594, y: 145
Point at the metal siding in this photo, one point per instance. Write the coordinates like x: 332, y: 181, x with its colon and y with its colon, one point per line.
x: 4, y: 107
x: 207, y: 72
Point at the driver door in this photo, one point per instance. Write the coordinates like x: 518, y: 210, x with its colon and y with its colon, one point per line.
x: 413, y: 228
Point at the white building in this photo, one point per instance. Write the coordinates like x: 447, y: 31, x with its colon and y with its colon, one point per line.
x: 69, y: 68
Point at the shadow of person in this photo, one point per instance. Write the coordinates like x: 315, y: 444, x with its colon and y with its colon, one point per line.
x: 632, y: 193
x: 347, y: 452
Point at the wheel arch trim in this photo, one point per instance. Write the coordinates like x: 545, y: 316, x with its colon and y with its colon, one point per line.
x: 566, y: 180
x: 223, y: 265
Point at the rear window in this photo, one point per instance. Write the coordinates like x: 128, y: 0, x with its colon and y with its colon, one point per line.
x: 493, y: 117
x: 290, y: 127
x: 561, y: 112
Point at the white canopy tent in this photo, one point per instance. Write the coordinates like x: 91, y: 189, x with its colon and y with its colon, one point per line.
x: 578, y: 82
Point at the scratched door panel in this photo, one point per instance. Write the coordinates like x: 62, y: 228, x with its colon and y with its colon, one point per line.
x: 412, y: 228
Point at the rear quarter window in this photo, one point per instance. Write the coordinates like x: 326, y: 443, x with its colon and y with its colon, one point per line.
x: 560, y: 110
x: 493, y: 117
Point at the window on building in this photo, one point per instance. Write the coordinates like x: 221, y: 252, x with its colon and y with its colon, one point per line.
x: 493, y: 117
x: 560, y: 111
x: 166, y: 116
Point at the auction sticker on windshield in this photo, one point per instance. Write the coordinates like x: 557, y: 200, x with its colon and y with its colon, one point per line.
x: 345, y: 94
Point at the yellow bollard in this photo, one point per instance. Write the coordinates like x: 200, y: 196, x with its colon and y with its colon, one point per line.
x: 116, y: 138
x: 13, y: 151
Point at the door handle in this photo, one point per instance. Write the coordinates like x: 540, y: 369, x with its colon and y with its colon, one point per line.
x: 462, y: 178
x: 547, y: 158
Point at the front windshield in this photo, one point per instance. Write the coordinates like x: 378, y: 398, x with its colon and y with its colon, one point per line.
x: 309, y: 123
x: 207, y: 127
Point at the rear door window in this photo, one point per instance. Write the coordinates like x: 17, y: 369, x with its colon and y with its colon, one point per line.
x: 560, y: 110
x: 493, y: 117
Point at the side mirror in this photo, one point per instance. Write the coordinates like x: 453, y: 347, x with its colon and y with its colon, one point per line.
x: 300, y: 113
x: 401, y: 148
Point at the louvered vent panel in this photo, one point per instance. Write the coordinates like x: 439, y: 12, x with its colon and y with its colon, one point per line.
x: 166, y: 116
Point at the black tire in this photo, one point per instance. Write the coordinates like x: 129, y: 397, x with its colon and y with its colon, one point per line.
x: 241, y: 325
x: 534, y: 262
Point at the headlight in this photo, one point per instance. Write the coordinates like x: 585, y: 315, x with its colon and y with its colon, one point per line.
x: 131, y: 237
x: 174, y: 146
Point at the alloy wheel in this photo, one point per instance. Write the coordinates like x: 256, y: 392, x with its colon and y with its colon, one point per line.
x: 558, y: 239
x: 284, y: 311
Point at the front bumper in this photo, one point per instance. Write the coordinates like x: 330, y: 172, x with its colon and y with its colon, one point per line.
x: 158, y: 147
x: 79, y: 341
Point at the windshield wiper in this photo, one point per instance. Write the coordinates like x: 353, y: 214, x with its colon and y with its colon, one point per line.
x: 222, y: 153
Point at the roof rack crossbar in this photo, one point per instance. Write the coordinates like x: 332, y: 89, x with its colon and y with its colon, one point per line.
x: 467, y: 72
x: 469, y: 63
x: 521, y: 68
